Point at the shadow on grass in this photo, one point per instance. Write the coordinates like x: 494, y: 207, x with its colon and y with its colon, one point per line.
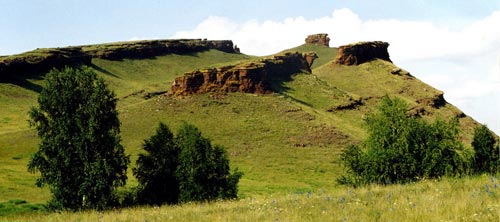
x: 278, y: 85
x: 100, y: 69
x: 23, y: 81
x: 16, y: 207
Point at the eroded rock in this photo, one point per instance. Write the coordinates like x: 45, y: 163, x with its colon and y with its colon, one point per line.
x: 152, y: 48
x: 318, y: 39
x: 42, y: 60
x: 252, y: 77
x: 435, y: 101
x: 361, y: 52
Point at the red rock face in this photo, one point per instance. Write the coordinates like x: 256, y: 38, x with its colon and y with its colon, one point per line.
x: 253, y: 77
x: 361, y: 52
x: 318, y: 39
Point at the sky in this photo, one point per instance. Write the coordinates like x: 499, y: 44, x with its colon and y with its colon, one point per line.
x: 453, y: 45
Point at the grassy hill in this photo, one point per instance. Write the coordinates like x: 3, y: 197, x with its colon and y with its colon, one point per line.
x: 286, y: 143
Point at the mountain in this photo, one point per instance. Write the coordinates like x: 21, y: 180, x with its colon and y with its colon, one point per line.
x: 283, y: 118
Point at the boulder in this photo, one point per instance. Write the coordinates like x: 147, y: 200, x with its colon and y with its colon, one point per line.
x: 361, y: 52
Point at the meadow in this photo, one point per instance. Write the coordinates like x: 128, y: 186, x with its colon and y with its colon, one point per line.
x: 448, y: 199
x: 286, y: 144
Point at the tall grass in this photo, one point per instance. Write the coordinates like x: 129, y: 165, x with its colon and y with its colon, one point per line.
x: 450, y: 199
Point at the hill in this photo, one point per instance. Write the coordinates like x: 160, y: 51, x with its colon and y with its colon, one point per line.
x: 285, y: 139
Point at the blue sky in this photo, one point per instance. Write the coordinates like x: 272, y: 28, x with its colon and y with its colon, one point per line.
x: 28, y: 24
x: 454, y: 45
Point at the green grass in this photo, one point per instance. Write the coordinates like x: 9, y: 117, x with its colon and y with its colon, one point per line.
x: 286, y: 144
x: 450, y: 199
x: 131, y: 80
x: 16, y: 102
x: 19, y: 207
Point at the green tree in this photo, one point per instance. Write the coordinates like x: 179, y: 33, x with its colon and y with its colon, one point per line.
x: 203, y: 171
x: 155, y: 169
x: 486, y: 157
x: 400, y: 148
x: 79, y: 157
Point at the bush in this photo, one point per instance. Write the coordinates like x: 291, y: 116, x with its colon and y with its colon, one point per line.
x: 79, y: 157
x: 187, y: 168
x: 486, y: 159
x: 402, y: 149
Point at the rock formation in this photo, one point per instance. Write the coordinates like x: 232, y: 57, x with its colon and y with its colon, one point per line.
x: 435, y: 101
x: 42, y: 60
x: 357, y: 53
x: 152, y: 48
x: 318, y: 39
x: 252, y: 77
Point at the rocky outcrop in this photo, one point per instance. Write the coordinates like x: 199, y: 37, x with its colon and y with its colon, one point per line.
x: 435, y: 101
x: 152, y: 48
x: 347, y: 105
x: 358, y: 53
x: 42, y: 60
x: 252, y: 77
x: 318, y: 39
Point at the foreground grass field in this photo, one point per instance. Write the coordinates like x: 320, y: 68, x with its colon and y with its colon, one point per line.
x: 450, y: 199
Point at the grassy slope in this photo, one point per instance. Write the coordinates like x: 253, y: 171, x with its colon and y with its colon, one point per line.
x: 284, y: 143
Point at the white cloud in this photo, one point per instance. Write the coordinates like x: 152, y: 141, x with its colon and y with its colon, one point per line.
x: 463, y: 62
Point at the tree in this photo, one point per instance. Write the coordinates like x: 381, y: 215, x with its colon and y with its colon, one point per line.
x: 155, y: 169
x: 79, y: 157
x: 401, y: 148
x: 203, y: 170
x: 486, y: 153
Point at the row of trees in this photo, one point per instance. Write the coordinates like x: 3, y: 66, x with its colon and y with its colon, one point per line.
x: 401, y: 148
x: 81, y: 159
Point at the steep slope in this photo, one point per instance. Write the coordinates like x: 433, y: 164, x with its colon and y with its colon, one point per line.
x: 284, y: 142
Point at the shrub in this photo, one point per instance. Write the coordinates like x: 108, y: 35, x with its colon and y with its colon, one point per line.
x: 401, y: 148
x: 486, y: 157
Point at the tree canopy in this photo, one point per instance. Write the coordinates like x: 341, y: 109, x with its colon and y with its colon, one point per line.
x: 79, y: 157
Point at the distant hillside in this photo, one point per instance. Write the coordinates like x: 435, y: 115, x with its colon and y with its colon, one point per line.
x: 285, y: 139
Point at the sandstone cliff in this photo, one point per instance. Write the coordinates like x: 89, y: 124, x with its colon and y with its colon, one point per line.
x: 357, y: 53
x: 252, y: 77
x: 318, y: 39
x: 42, y: 60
